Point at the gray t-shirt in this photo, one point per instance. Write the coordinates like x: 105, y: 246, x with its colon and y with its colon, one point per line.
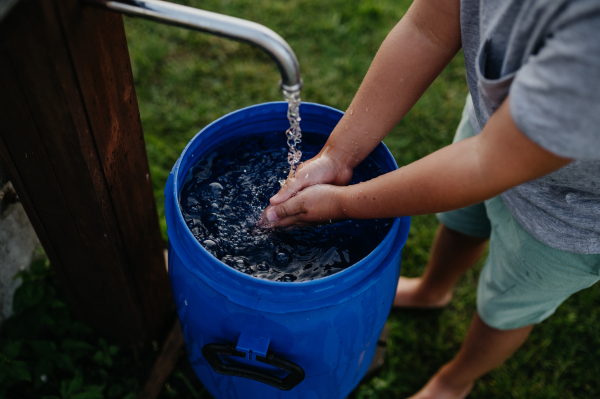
x: 545, y: 54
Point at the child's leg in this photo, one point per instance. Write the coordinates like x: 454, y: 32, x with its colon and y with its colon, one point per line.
x: 522, y: 283
x: 452, y: 254
x: 484, y: 349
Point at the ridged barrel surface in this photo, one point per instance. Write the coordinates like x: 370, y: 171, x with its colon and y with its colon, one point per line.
x: 329, y: 326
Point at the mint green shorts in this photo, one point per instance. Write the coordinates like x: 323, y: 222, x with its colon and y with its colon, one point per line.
x: 523, y: 281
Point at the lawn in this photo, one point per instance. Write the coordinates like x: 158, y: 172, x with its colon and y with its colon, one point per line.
x: 185, y: 80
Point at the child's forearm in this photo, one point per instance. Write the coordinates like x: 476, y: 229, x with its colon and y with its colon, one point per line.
x: 456, y: 176
x: 442, y: 181
x: 411, y: 57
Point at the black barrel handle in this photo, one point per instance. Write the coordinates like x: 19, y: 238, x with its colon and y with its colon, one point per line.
x: 211, y: 353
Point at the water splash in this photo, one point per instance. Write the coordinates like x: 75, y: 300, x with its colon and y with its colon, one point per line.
x: 294, y: 134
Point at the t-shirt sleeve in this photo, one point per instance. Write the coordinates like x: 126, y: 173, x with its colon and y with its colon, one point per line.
x: 555, y: 96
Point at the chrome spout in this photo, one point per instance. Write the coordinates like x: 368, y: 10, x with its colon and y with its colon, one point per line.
x: 216, y: 24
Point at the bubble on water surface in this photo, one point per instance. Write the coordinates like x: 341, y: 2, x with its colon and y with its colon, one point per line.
x: 288, y: 278
x: 282, y: 258
x: 331, y: 257
x: 212, y: 247
x: 263, y: 267
x: 215, y: 187
x: 209, y: 244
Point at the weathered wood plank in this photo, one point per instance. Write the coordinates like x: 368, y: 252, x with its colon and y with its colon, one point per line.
x: 96, y: 40
x: 72, y: 140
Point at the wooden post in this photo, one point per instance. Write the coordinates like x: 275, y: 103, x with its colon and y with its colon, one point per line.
x: 71, y: 138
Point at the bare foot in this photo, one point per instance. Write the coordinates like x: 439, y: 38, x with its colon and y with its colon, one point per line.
x: 436, y: 388
x: 408, y: 295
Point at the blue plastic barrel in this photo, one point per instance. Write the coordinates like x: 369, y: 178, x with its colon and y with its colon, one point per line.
x: 251, y: 338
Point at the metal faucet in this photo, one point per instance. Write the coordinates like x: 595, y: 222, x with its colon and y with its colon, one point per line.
x: 216, y: 24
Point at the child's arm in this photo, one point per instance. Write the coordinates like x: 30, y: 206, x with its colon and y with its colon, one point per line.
x: 411, y: 57
x: 461, y: 174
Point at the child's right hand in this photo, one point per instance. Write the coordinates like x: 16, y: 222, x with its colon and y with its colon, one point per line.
x: 322, y: 169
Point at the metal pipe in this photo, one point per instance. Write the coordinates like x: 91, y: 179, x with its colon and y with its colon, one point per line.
x: 216, y: 24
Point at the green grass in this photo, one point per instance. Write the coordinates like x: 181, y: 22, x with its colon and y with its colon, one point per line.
x: 185, y: 80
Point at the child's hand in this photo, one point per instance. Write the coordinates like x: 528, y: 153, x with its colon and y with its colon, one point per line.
x: 316, y: 204
x: 321, y: 169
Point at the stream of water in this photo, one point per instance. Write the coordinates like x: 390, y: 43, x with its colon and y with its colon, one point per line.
x: 293, y: 134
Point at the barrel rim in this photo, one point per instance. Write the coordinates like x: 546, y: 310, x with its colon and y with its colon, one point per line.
x: 178, y: 223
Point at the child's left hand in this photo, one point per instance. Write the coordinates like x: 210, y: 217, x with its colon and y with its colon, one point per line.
x: 316, y: 204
